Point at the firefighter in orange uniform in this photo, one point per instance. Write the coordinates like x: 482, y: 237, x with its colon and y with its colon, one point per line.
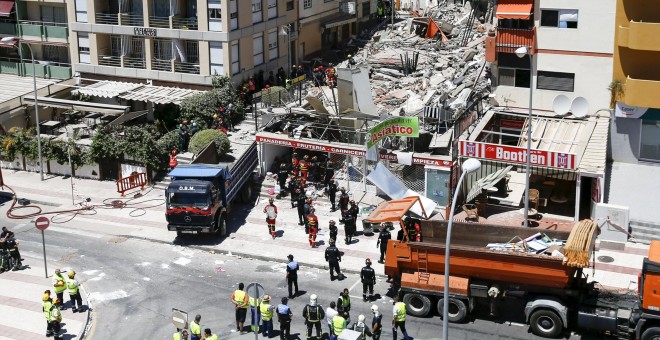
x: 330, y: 73
x: 173, y: 161
x: 304, y: 169
x: 313, y: 223
x: 271, y: 214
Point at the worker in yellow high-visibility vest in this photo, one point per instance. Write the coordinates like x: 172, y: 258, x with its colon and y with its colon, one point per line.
x: 399, y: 318
x: 196, y: 328
x: 240, y: 300
x: 180, y: 335
x: 59, y: 283
x: 266, y: 316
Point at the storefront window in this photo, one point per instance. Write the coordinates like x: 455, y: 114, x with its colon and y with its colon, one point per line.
x: 650, y: 148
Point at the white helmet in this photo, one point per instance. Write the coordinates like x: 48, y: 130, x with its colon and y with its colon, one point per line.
x: 312, y: 299
x: 374, y: 309
x: 361, y: 318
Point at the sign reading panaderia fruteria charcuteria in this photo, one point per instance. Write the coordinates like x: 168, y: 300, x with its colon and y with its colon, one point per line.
x: 143, y: 31
x: 395, y: 126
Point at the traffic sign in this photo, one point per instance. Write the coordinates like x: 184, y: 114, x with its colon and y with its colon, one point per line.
x: 179, y: 318
x: 255, y: 290
x: 42, y: 223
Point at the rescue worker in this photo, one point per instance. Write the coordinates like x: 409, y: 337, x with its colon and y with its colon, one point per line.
x: 329, y: 175
x: 312, y: 227
x: 313, y: 314
x: 284, y: 315
x: 338, y: 326
x: 368, y: 278
x: 330, y: 74
x: 304, y: 170
x: 379, y: 10
x: 399, y: 318
x: 322, y: 77
x: 330, y: 314
x: 333, y: 230
x: 351, y: 61
x: 46, y: 303
x: 255, y: 315
x: 300, y: 204
x: 376, y: 323
x: 282, y: 175
x: 383, y: 237
x: 74, y: 292
x: 180, y: 335
x: 343, y: 199
x: 12, y: 247
x: 314, y: 167
x: 292, y: 276
x: 362, y: 328
x: 173, y: 161
x: 215, y: 124
x: 294, y: 72
x: 55, y: 318
x: 5, y: 260
x: 344, y: 305
x: 59, y: 283
x: 194, y: 129
x: 332, y: 193
x: 208, y: 335
x: 307, y: 208
x: 271, y: 214
x: 196, y: 328
x: 333, y: 257
x: 266, y: 316
x: 252, y: 85
x: 354, y: 210
x: 240, y: 300
x: 316, y: 75
x: 349, y: 226
x: 184, y: 136
x: 294, y: 164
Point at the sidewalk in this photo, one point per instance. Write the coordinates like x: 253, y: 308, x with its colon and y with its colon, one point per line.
x: 21, y: 310
x: 248, y: 235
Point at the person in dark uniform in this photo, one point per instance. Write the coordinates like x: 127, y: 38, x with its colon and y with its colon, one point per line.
x: 383, y: 237
x: 343, y: 199
x: 292, y: 276
x: 307, y: 210
x: 399, y: 234
x: 376, y: 323
x: 332, y: 193
x: 368, y: 278
x: 314, y: 167
x: 349, y: 226
x: 294, y: 190
x: 282, y: 175
x: 354, y: 210
x: 300, y: 203
x: 329, y: 174
x: 333, y: 257
x: 284, y: 315
x: 333, y: 230
x: 313, y: 314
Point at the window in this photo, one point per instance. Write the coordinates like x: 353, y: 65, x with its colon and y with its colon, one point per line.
x: 557, y: 81
x: 272, y: 45
x: 52, y: 14
x: 650, y: 141
x: 163, y: 49
x: 81, y: 10
x: 83, y: 48
x: 366, y: 9
x: 215, y: 19
x: 307, y: 4
x: 215, y: 51
x: 272, y: 9
x: 115, y: 45
x: 513, y: 77
x: 235, y: 61
x: 258, y: 48
x: 233, y: 15
x: 256, y: 11
x: 562, y: 18
x: 58, y: 54
x: 192, y: 51
x: 290, y: 6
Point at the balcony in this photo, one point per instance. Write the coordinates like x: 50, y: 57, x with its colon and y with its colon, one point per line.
x: 161, y: 65
x: 44, y: 30
x: 8, y: 28
x: 181, y: 67
x: 9, y: 65
x: 110, y: 60
x: 642, y: 93
x: 184, y: 23
x: 640, y: 36
x: 507, y: 40
x: 131, y: 62
x: 159, y: 22
x: 107, y: 18
x: 129, y: 19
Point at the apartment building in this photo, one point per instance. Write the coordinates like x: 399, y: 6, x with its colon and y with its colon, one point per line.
x: 636, y: 128
x: 571, y: 43
x: 335, y: 22
x: 178, y: 41
x: 43, y: 26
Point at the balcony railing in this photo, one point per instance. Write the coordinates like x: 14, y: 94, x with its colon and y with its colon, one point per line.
x: 110, y: 60
x: 181, y: 67
x: 8, y: 28
x: 159, y: 22
x: 184, y: 23
x: 509, y: 39
x: 107, y: 18
x: 128, y: 19
x: 131, y: 62
x: 161, y: 65
x: 44, y: 29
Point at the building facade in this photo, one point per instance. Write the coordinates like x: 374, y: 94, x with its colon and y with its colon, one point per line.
x: 43, y: 26
x: 178, y: 41
x: 636, y: 82
x: 572, y: 48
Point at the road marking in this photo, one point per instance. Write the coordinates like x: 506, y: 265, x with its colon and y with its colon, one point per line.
x: 20, y: 226
x: 74, y: 232
x: 355, y: 284
x: 100, y: 297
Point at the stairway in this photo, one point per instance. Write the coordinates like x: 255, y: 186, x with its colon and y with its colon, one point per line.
x: 182, y: 158
x: 644, y: 232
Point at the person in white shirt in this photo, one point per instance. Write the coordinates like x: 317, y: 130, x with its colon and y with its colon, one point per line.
x: 330, y: 313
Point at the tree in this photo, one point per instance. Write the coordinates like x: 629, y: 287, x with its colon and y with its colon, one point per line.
x: 138, y: 142
x: 201, y: 139
x: 202, y: 106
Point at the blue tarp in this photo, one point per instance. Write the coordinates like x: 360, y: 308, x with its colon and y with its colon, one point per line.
x: 200, y: 171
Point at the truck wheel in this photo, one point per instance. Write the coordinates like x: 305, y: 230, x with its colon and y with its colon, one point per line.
x: 546, y: 323
x: 222, y: 226
x: 417, y: 304
x: 457, y: 310
x: 652, y: 333
x: 246, y: 193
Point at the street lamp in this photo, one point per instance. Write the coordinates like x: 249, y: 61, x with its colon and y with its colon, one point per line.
x: 7, y: 41
x: 469, y: 166
x: 521, y: 52
x: 286, y: 30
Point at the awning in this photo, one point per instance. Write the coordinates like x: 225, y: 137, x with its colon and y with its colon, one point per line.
x: 127, y: 117
x: 107, y: 89
x: 159, y: 94
x: 486, y: 182
x: 514, y: 9
x: 342, y: 20
x: 78, y: 105
x: 5, y: 8
x: 392, y: 211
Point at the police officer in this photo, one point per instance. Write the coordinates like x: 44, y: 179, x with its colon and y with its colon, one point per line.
x: 333, y: 257
x: 196, y: 328
x: 344, y: 305
x: 332, y: 193
x: 292, y: 276
x: 314, y: 168
x: 383, y: 237
x: 313, y: 314
x: 376, y: 323
x: 329, y: 174
x: 74, y: 293
x: 333, y: 230
x: 284, y: 315
x: 399, y: 318
x: 300, y: 204
x: 349, y: 226
x: 354, y: 210
x: 343, y: 199
x: 282, y: 175
x: 362, y: 328
x: 368, y: 278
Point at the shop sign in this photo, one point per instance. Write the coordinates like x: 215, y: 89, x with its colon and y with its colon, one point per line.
x: 395, y: 126
x: 513, y: 154
x: 627, y: 111
x: 144, y: 32
x: 348, y: 151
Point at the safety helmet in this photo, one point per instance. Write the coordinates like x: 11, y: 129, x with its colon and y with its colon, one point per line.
x: 352, y: 202
x: 321, y: 67
x: 313, y: 298
x: 316, y: 69
x: 350, y: 56
x: 367, y: 261
x: 374, y: 309
x: 361, y: 318
x: 72, y: 274
x: 185, y: 122
x: 306, y: 157
x: 332, y: 242
x: 330, y: 64
x: 332, y: 221
x: 45, y: 297
x: 222, y: 109
x: 215, y: 116
x: 271, y: 200
x: 294, y: 66
x: 308, y: 200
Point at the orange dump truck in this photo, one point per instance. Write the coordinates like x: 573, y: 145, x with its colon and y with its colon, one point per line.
x: 551, y: 293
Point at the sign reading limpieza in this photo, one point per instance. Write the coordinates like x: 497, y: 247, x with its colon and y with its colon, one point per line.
x: 145, y: 32
x: 395, y: 126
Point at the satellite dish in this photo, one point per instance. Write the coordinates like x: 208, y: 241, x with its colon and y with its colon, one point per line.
x: 580, y: 107
x: 561, y: 104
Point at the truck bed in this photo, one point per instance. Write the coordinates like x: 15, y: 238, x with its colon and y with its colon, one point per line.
x: 471, y: 259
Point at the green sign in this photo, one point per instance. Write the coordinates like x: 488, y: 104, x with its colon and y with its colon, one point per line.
x: 395, y: 126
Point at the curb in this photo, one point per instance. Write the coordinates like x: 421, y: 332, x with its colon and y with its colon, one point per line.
x: 84, y: 331
x: 245, y: 255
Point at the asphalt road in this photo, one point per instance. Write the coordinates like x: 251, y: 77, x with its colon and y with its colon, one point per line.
x: 134, y: 284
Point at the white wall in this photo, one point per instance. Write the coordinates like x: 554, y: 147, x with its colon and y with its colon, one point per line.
x: 88, y: 171
x: 60, y: 169
x: 16, y: 164
x: 595, y: 32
